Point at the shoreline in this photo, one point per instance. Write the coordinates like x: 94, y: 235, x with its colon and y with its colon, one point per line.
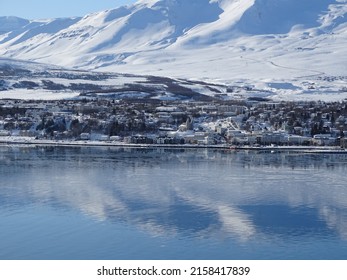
x: 6, y: 141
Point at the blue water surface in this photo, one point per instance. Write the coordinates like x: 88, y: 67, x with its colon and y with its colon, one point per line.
x: 118, y: 203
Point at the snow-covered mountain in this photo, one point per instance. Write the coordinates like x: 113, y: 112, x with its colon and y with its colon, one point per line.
x: 264, y: 43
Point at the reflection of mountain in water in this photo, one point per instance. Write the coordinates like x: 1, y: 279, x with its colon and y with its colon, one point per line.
x: 201, y: 193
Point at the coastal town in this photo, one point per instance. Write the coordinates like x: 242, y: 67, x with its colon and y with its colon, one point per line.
x: 239, y: 123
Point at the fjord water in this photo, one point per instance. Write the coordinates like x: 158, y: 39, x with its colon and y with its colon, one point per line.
x: 118, y: 203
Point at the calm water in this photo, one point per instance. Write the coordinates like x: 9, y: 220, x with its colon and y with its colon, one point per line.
x: 109, y: 203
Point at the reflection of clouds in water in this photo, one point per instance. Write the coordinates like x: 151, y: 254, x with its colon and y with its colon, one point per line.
x: 335, y: 219
x: 158, y: 230
x: 144, y: 188
x: 236, y: 223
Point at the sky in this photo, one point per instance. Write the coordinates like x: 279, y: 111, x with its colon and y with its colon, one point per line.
x: 39, y: 9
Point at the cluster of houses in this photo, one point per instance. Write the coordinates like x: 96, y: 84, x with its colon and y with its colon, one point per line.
x: 247, y: 122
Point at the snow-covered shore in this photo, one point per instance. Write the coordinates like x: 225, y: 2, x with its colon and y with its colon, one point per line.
x: 29, y: 141
x: 14, y: 140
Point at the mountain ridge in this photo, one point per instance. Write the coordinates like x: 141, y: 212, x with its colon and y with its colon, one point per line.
x: 153, y: 24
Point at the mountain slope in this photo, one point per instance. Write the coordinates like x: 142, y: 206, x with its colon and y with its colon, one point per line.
x: 280, y: 16
x: 248, y: 41
x: 147, y: 25
x: 111, y: 36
